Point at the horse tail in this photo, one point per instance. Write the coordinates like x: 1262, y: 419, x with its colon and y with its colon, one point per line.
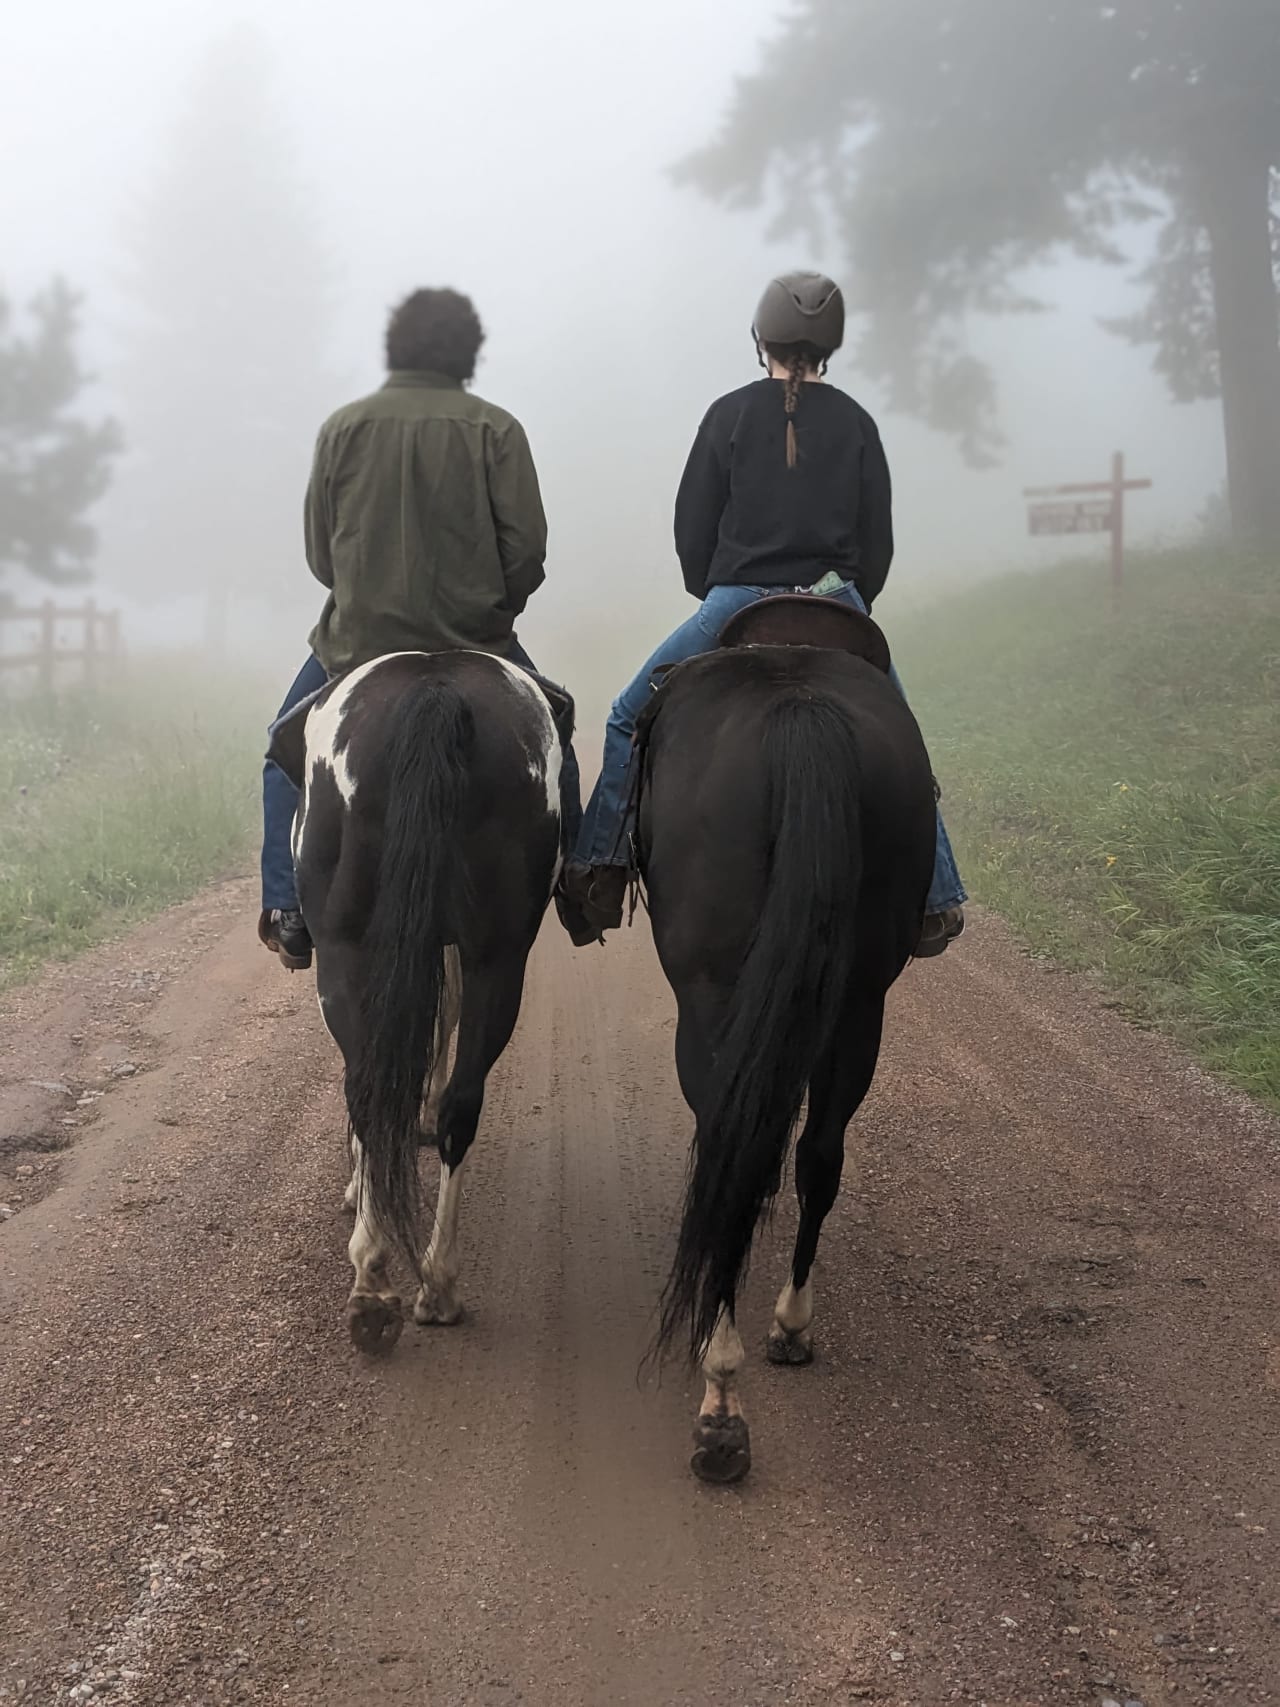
x: 787, y: 1002
x: 418, y: 900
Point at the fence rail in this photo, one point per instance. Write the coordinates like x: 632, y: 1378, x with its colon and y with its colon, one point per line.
x: 46, y: 651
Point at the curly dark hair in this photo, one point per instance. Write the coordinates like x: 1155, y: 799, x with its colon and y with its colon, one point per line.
x: 435, y: 331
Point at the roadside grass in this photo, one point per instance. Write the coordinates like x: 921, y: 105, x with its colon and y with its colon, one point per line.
x: 116, y: 803
x: 1113, y: 782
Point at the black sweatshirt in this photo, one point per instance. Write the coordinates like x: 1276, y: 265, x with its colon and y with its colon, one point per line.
x: 744, y: 518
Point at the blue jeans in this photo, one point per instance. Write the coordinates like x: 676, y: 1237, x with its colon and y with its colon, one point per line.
x: 280, y: 797
x: 603, y: 840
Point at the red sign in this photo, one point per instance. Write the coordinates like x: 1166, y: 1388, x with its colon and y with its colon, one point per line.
x: 1084, y: 515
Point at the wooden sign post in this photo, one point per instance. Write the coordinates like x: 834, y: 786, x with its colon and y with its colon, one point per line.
x: 1072, y: 512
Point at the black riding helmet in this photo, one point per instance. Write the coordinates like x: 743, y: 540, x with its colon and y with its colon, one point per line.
x: 801, y: 308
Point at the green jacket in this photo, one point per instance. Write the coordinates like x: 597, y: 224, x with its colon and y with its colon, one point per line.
x: 424, y: 520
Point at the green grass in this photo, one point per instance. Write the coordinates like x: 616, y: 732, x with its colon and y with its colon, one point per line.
x: 1112, y: 782
x: 118, y: 803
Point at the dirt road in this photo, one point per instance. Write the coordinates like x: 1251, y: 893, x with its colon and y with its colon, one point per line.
x: 1037, y: 1461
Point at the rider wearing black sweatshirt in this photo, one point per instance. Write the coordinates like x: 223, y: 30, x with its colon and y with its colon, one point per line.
x: 745, y: 518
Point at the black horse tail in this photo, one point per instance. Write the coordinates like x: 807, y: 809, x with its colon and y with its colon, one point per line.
x: 786, y: 1004
x: 419, y: 897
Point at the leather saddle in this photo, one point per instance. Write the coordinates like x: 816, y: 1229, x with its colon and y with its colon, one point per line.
x: 807, y: 619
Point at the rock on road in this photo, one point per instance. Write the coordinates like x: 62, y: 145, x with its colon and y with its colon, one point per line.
x: 1036, y: 1462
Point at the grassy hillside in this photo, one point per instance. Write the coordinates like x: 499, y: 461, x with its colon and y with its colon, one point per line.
x: 115, y: 804
x: 1113, y: 782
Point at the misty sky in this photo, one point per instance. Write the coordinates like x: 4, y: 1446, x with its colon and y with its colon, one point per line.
x: 517, y: 151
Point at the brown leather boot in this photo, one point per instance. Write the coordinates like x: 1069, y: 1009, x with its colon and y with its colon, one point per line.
x: 594, y: 896
x: 938, y: 930
x: 285, y: 933
x: 572, y: 915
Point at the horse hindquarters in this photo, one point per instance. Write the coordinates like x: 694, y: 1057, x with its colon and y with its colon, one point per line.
x: 748, y: 1049
x: 404, y: 989
x: 837, y: 1088
x: 425, y: 862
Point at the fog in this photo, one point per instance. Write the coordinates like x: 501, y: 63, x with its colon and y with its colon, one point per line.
x: 521, y: 154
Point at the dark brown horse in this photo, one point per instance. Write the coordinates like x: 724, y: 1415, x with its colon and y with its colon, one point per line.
x: 786, y: 836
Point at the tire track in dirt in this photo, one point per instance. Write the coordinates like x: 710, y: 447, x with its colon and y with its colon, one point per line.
x: 1036, y: 1461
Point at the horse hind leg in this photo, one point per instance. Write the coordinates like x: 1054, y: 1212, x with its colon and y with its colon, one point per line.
x: 835, y: 1094
x: 819, y: 1163
x: 337, y: 1012
x: 446, y: 1026
x: 351, y: 1197
x: 374, y: 1313
x: 722, y: 1441
x: 721, y: 1438
x: 490, y: 1004
x: 374, y: 1316
x: 438, y: 1304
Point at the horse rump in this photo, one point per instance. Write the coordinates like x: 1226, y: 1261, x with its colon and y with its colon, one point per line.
x: 785, y: 1001
x: 419, y: 897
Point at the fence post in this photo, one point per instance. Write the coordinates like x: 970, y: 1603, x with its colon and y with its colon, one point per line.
x: 48, y: 642
x: 90, y: 641
x: 1117, y: 524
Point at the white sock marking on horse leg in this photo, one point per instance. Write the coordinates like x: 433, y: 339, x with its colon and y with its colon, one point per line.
x: 721, y: 1362
x: 446, y: 1026
x: 794, y: 1310
x: 438, y: 1299
x: 435, y: 1091
x: 367, y: 1248
x: 351, y: 1198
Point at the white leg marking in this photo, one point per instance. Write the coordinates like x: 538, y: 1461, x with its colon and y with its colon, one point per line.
x: 374, y: 1320
x: 721, y: 1362
x: 790, y: 1340
x: 367, y: 1249
x: 446, y: 1026
x: 351, y: 1199
x: 438, y: 1300
x: 794, y: 1310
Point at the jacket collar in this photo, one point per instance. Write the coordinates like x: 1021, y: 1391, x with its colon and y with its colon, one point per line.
x: 403, y: 378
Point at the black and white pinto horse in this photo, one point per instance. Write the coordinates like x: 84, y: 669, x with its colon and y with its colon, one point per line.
x: 786, y: 836
x: 426, y: 844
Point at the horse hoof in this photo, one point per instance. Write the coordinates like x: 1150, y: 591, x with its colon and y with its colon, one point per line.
x: 432, y: 1311
x: 789, y: 1349
x: 374, y: 1322
x: 722, y: 1449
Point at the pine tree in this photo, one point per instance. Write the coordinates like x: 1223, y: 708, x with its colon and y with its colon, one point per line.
x: 956, y: 141
x: 224, y: 371
x: 54, y: 466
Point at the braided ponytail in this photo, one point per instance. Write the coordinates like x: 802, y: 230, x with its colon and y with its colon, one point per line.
x: 797, y: 367
x: 799, y: 361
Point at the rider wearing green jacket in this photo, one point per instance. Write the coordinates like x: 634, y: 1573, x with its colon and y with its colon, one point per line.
x: 425, y: 526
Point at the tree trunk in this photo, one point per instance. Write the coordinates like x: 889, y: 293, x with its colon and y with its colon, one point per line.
x: 1236, y: 190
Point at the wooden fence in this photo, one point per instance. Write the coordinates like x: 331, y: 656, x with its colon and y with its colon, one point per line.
x: 47, y: 636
